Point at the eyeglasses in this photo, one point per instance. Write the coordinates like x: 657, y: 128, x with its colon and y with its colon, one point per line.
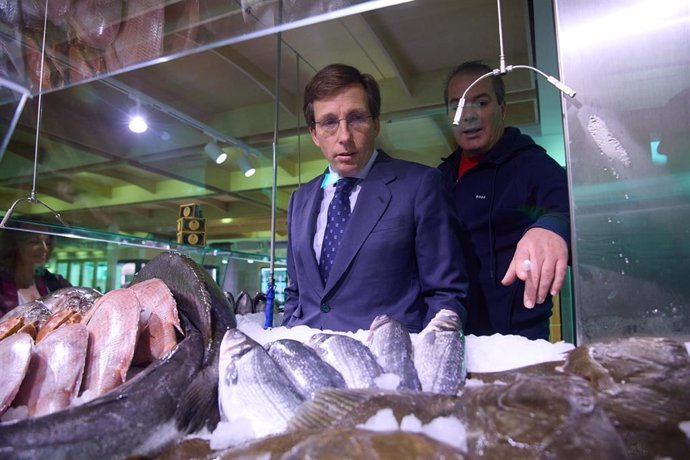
x: 356, y: 121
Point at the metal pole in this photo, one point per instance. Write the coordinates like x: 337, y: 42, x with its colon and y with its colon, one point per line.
x: 270, y: 291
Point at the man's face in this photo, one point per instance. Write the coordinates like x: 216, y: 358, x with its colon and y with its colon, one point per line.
x: 350, y: 146
x: 481, y: 125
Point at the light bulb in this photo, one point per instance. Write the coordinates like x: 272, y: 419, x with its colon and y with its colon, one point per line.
x: 137, y: 124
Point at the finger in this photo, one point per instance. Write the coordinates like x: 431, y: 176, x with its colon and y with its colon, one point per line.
x: 559, y: 279
x: 511, y: 275
x: 545, y: 280
x: 522, y: 263
x: 530, y: 289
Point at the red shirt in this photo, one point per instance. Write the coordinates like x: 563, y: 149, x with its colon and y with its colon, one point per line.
x: 466, y: 163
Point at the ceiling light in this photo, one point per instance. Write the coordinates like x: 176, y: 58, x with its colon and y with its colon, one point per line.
x: 215, y: 152
x: 137, y: 124
x: 245, y: 166
x: 226, y: 220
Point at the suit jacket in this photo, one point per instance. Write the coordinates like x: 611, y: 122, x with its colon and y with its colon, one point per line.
x: 399, y: 254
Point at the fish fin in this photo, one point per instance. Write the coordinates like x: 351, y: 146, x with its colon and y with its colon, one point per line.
x: 327, y: 407
x: 198, y: 405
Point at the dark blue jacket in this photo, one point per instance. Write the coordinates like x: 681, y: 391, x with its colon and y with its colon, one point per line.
x: 515, y: 187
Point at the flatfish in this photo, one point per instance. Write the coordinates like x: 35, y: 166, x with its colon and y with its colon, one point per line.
x: 337, y: 407
x: 307, y: 372
x: 349, y: 356
x: 538, y: 417
x: 439, y: 354
x: 346, y: 443
x: 642, y: 384
x: 390, y: 342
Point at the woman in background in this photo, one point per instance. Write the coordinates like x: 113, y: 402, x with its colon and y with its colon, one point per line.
x: 22, y: 275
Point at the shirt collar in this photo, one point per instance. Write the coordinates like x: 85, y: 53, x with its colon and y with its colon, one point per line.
x: 331, y: 176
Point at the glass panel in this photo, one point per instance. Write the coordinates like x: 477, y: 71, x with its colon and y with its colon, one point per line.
x: 75, y: 274
x: 88, y: 39
x: 116, y: 258
x: 13, y: 97
x: 628, y: 133
x: 121, y: 192
x: 88, y: 274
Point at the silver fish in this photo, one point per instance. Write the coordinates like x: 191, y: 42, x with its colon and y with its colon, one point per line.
x: 243, y: 304
x: 259, y: 302
x: 79, y: 299
x: 390, y: 342
x: 303, y: 367
x: 439, y: 354
x: 252, y: 386
x: 349, y: 356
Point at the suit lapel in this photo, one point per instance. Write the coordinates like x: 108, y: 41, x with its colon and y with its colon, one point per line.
x: 372, y: 202
x: 308, y: 214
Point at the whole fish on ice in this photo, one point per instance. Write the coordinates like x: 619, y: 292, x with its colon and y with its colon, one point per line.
x: 390, y: 342
x: 349, y: 356
x: 253, y: 389
x: 439, y: 354
x: 307, y: 372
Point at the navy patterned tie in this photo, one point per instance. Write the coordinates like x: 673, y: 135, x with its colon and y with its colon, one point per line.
x: 338, y: 215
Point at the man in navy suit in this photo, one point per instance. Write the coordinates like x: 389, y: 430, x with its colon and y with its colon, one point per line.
x: 398, y: 253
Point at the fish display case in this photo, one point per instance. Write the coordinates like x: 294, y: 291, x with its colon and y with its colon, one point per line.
x: 223, y: 80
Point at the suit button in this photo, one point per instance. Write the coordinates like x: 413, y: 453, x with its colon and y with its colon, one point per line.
x: 325, y: 307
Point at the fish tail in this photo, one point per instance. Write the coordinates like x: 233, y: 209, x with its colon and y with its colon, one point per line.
x: 198, y: 406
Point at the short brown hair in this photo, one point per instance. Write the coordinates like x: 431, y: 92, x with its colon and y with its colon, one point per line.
x: 332, y: 79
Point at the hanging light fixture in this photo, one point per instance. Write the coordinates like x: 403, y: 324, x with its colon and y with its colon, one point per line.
x: 245, y: 166
x: 215, y: 152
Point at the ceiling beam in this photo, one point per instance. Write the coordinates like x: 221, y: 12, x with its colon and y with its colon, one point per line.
x: 288, y: 100
x: 379, y: 51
